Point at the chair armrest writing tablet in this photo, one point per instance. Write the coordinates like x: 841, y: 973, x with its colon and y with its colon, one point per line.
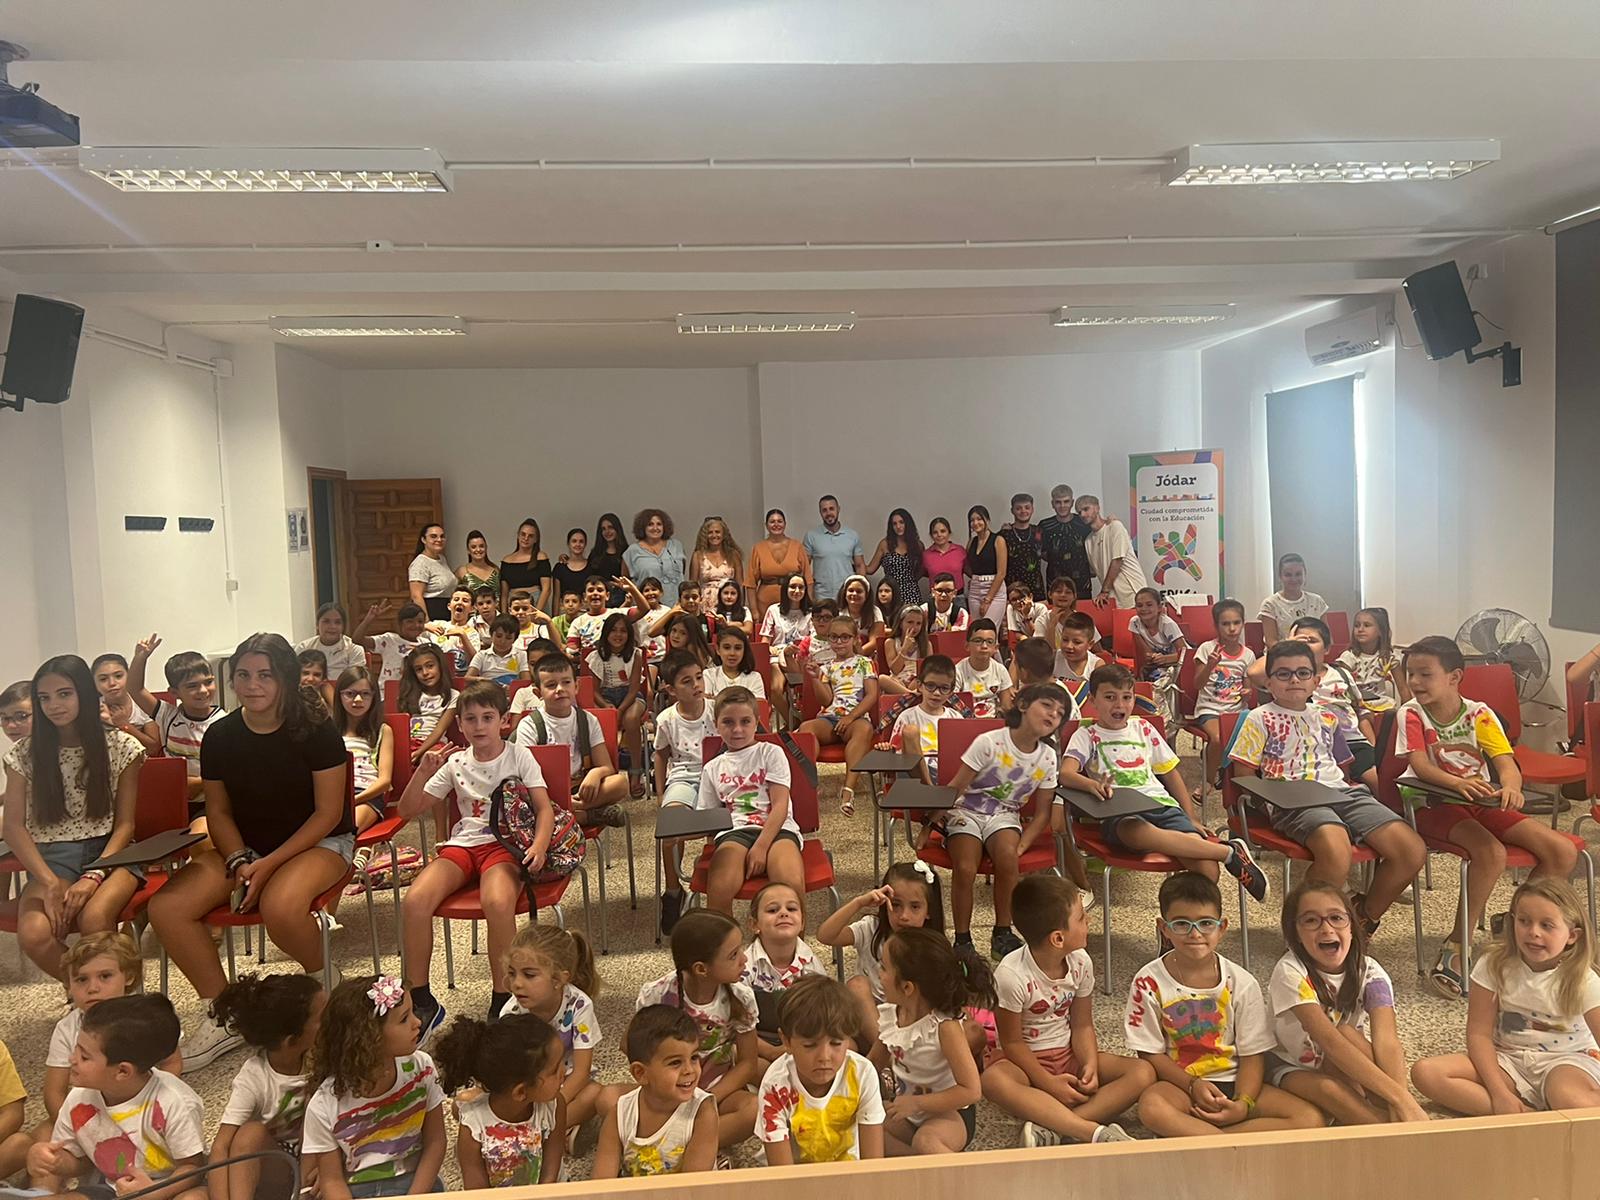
x: 1124, y: 802
x: 915, y: 796
x: 152, y: 850
x: 680, y: 821
x: 892, y: 761
x: 1291, y: 793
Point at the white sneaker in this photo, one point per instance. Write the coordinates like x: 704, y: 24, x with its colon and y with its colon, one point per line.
x: 330, y: 975
x: 209, y: 1042
x: 1089, y: 900
x: 328, y: 921
x: 1112, y: 1133
x: 1036, y: 1136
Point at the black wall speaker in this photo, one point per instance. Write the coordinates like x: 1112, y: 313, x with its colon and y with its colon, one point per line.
x: 43, y: 350
x: 1442, y: 311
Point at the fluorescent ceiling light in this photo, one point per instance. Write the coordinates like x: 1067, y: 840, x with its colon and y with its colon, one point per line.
x: 1124, y: 314
x: 1329, y: 162
x: 189, y: 169
x: 369, y: 326
x: 765, y: 322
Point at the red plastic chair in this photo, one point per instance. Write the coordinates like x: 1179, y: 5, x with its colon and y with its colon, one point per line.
x: 817, y: 862
x: 1104, y: 617
x: 1197, y: 624
x: 955, y: 737
x: 555, y: 764
x: 1123, y: 644
x: 1494, y: 684
x: 810, y: 706
x: 587, y: 695
x: 1338, y: 624
x: 386, y: 830
x: 950, y: 642
x: 1261, y: 836
x: 1577, y: 697
x: 1255, y: 637
x: 762, y: 653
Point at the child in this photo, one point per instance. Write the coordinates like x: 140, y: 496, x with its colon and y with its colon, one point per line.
x: 650, y: 616
x: 472, y: 852
x: 551, y: 974
x: 71, y: 791
x: 943, y: 611
x: 777, y: 958
x: 926, y: 985
x: 16, y: 711
x: 596, y: 784
x: 1201, y: 1022
x: 1023, y: 612
x: 1123, y: 751
x: 1532, y: 1017
x: 785, y: 625
x: 371, y: 745
x: 125, y: 1125
x: 527, y: 698
x: 428, y: 697
x: 485, y: 609
x: 692, y: 599
x: 1002, y: 772
x: 531, y: 622
x: 916, y: 730
x: 13, y: 1110
x: 499, y: 661
x: 1459, y: 746
x: 1333, y: 1013
x: 278, y: 1017
x: 1076, y: 660
x: 1220, y: 679
x: 1035, y: 662
x: 905, y: 651
x: 117, y: 708
x: 314, y: 675
x: 730, y: 610
x: 1291, y: 738
x: 664, y: 1126
x: 1162, y: 641
x: 1336, y: 691
x: 338, y: 651
x: 750, y: 779
x: 512, y: 1132
x: 814, y: 649
x: 707, y: 962
x: 1290, y: 602
x: 1051, y: 1073
x: 1373, y: 662
x: 681, y: 731
x: 571, y: 606
x: 856, y: 602
x: 908, y: 898
x: 458, y: 636
x: 1063, y: 602
x: 982, y: 674
x: 819, y: 1101
x: 181, y: 725
x: 394, y: 648
x: 583, y: 632
x: 618, y: 665
x: 683, y: 633
x: 374, y: 1125
x: 847, y: 696
x: 735, y: 665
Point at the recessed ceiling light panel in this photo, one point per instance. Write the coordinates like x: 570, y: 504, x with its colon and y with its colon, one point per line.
x: 206, y: 169
x: 1328, y: 162
x: 369, y: 326
x: 765, y: 322
x: 1124, y: 314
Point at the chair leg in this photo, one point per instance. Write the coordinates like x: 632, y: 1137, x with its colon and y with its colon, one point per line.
x: 1244, y: 925
x: 588, y: 913
x: 1105, y: 922
x: 232, y: 968
x: 372, y: 927
x: 261, y: 946
x: 1288, y: 872
x: 1588, y: 877
x: 1416, y: 922
x: 1466, y: 940
x: 327, y: 954
x: 633, y: 887
x: 475, y: 950
x: 449, y: 958
x: 600, y: 845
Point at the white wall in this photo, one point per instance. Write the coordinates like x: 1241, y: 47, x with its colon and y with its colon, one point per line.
x: 311, y: 431
x: 36, y: 562
x: 561, y: 446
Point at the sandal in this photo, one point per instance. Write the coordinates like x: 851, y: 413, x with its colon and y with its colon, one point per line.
x: 1445, y: 978
x: 847, y: 801
x: 636, y: 788
x: 1369, y: 926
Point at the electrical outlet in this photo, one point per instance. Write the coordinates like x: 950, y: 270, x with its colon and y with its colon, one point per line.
x: 1477, y: 271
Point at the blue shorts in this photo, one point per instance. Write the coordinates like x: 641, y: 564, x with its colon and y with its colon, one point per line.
x: 1172, y: 818
x: 614, y: 695
x: 832, y: 719
x: 70, y: 860
x: 342, y: 844
x: 399, y: 1186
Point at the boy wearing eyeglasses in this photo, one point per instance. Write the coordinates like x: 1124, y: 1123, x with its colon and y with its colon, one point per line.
x: 916, y: 730
x: 1294, y: 739
x: 1201, y: 1022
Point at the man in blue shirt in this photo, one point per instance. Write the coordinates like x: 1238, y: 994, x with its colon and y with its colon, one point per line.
x: 835, y: 551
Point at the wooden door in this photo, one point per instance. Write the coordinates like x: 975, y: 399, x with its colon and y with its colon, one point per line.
x: 381, y: 520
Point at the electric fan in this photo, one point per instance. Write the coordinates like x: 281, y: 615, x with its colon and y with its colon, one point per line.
x: 1498, y: 635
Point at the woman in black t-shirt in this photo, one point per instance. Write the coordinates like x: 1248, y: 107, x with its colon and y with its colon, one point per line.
x: 278, y: 812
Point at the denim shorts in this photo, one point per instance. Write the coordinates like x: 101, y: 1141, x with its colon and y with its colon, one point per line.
x: 1358, y: 812
x: 681, y: 792
x: 400, y: 1185
x: 70, y: 860
x: 342, y: 844
x: 748, y: 836
x: 1169, y: 817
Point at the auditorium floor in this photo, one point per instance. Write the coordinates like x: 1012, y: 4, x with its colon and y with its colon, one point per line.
x: 1427, y: 1023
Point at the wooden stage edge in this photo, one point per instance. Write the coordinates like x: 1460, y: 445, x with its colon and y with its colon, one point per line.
x: 1534, y: 1156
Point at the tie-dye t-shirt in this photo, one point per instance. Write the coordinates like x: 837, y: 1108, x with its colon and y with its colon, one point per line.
x: 847, y: 680
x: 1206, y: 1031
x: 1131, y: 757
x: 1461, y: 746
x: 984, y: 686
x: 574, y: 1022
x: 158, y: 1128
x: 1285, y: 744
x: 662, y: 1152
x: 917, y: 730
x: 721, y: 1022
x: 1225, y: 687
x: 1042, y: 1003
x: 380, y: 1137
x: 823, y: 1128
x: 277, y: 1101
x: 737, y: 780
x: 1006, y: 776
x: 1291, y: 986
x: 512, y: 1151
x: 1528, y: 1009
x: 764, y: 975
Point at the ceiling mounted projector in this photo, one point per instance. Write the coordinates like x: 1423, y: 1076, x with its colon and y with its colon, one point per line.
x: 28, y: 122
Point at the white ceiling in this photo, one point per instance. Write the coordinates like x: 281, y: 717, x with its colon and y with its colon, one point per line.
x: 580, y: 267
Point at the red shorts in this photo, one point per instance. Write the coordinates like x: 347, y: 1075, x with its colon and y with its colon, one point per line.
x: 1437, y: 820
x: 1059, y: 1061
x: 475, y: 860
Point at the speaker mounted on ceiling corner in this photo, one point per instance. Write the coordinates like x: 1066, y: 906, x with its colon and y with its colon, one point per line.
x: 42, y: 350
x: 1442, y: 311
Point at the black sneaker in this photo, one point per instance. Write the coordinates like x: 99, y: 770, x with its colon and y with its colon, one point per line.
x: 1242, y: 866
x: 1497, y: 924
x: 1002, y: 942
x: 671, y: 910
x: 611, y: 815
x: 431, y: 1021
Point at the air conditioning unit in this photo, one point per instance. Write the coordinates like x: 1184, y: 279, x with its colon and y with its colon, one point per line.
x: 1346, y: 337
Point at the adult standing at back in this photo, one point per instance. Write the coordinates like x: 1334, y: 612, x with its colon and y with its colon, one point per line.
x: 986, y: 568
x: 527, y: 569
x: 772, y: 560
x: 655, y: 551
x: 900, y: 556
x: 1112, y: 555
x: 835, y: 551
x: 1063, y: 536
x: 1024, y: 546
x: 430, y: 578
x: 716, y: 558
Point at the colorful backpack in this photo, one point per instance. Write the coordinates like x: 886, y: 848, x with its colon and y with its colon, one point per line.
x: 514, y: 821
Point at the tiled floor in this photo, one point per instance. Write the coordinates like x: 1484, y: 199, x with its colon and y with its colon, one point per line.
x: 1427, y: 1023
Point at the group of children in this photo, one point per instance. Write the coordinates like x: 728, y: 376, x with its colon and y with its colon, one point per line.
x: 749, y: 1034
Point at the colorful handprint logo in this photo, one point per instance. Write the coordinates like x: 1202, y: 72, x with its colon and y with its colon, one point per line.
x: 1176, y: 554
